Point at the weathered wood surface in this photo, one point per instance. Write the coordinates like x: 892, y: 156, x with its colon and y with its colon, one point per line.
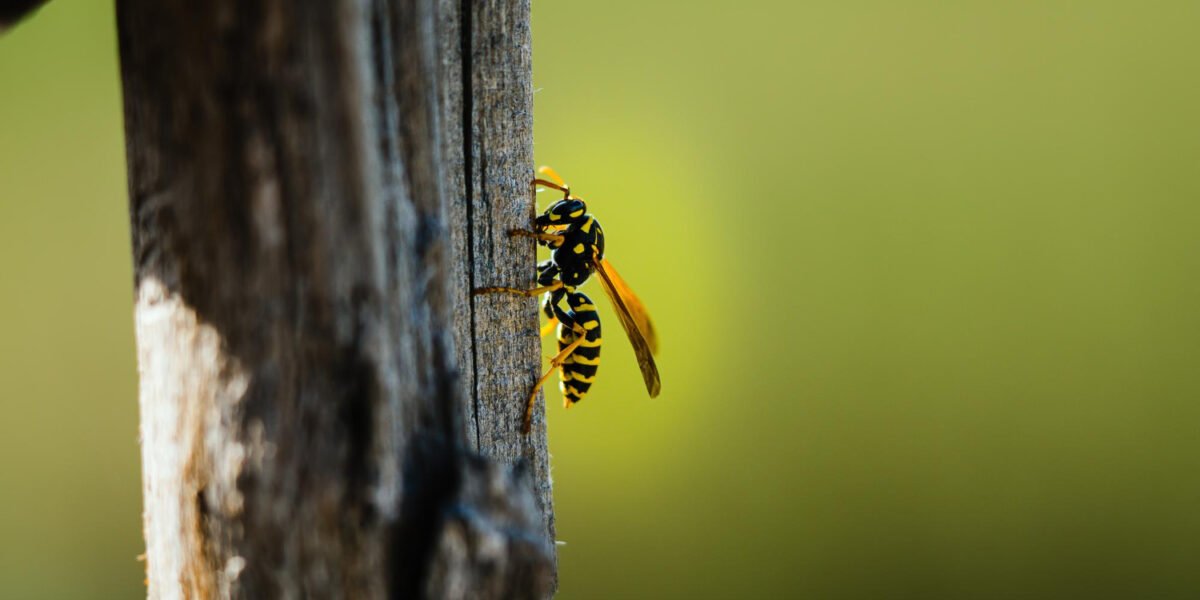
x: 300, y: 216
x: 489, y: 141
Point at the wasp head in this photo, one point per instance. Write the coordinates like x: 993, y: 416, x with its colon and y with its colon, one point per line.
x: 564, y: 212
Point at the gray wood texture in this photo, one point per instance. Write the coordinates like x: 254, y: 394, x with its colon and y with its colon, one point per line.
x: 489, y: 148
x: 315, y: 187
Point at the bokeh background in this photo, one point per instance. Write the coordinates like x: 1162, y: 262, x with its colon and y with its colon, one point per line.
x: 926, y: 275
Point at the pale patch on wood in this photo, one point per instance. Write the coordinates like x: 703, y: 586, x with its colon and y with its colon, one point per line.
x: 188, y: 390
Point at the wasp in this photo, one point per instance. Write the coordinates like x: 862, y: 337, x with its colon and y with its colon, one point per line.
x: 576, y: 243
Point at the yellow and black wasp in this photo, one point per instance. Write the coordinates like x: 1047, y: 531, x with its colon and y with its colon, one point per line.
x: 576, y: 242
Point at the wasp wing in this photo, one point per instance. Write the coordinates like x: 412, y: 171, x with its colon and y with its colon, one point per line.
x: 620, y: 297
x: 637, y: 310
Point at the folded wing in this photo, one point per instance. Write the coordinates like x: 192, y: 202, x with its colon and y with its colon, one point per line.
x: 635, y: 320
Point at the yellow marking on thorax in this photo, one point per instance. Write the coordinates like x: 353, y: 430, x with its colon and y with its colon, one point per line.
x: 578, y: 249
x: 587, y: 225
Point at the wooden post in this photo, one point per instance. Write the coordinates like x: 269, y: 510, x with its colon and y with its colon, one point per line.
x: 486, y: 53
x: 315, y: 186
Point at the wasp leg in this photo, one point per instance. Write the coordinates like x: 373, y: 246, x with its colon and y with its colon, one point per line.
x: 547, y: 272
x: 555, y: 364
x: 508, y: 290
x: 548, y: 283
x: 545, y: 237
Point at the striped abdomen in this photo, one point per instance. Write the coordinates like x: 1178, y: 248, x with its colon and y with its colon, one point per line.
x: 579, y: 368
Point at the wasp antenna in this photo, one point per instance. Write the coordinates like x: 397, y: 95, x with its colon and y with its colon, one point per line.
x: 548, y: 172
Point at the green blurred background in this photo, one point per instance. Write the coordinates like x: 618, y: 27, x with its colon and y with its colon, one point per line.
x: 926, y: 275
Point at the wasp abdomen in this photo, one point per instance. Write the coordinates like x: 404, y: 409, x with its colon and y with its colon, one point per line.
x: 579, y: 367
